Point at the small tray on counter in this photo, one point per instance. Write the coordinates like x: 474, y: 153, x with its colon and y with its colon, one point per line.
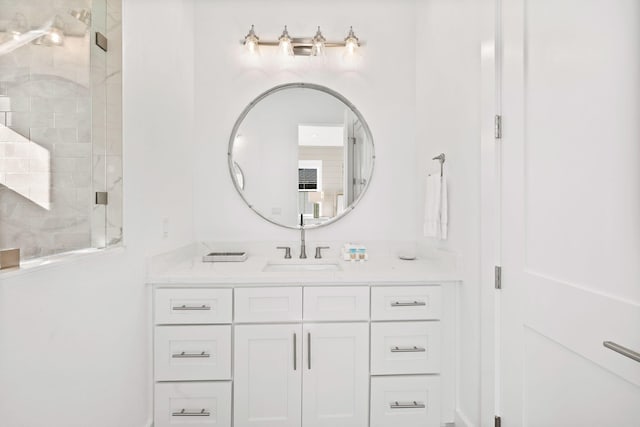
x: 225, y: 257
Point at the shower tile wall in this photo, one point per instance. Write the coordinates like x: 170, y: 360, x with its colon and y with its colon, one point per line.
x: 49, y: 153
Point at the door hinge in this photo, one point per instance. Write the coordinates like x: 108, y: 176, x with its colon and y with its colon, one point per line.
x: 498, y: 277
x: 102, y: 198
x: 352, y: 140
x: 497, y: 421
x: 498, y: 127
x: 101, y: 41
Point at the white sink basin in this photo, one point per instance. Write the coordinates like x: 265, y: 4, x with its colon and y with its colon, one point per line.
x: 301, y: 267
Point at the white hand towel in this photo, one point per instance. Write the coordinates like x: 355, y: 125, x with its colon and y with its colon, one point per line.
x: 435, y: 209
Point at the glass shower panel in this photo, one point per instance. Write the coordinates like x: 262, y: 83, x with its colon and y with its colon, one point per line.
x: 53, y: 126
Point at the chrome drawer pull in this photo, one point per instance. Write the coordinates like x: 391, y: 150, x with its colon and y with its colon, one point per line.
x: 185, y: 413
x: 185, y: 307
x: 295, y: 352
x: 408, y: 303
x: 185, y: 355
x: 633, y: 355
x: 407, y: 405
x: 309, y: 350
x: 413, y: 349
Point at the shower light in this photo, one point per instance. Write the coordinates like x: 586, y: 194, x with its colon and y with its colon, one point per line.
x: 318, y: 42
x: 351, y: 42
x: 251, y: 41
x: 18, y: 26
x: 285, y: 43
x: 54, y: 34
x: 82, y: 15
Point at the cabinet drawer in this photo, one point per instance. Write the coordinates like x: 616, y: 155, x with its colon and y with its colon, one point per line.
x: 184, y: 353
x: 192, y: 404
x: 405, y: 303
x: 268, y: 304
x: 405, y: 348
x: 336, y: 303
x: 184, y: 306
x: 412, y: 401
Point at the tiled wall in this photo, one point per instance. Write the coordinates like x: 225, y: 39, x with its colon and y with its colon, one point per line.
x: 48, y: 149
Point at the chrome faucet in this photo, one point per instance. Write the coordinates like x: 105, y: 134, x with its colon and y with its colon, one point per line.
x: 303, y: 247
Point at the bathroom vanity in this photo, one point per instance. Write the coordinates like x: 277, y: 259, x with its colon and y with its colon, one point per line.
x: 312, y: 349
x: 278, y: 341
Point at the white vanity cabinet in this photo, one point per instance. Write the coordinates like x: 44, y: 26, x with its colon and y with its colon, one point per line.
x: 298, y: 356
x: 268, y: 373
x: 313, y: 374
x: 335, y: 382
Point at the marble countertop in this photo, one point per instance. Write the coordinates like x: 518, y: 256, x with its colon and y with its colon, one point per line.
x: 187, y: 268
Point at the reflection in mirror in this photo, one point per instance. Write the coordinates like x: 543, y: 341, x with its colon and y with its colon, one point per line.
x: 306, y: 150
x: 239, y: 175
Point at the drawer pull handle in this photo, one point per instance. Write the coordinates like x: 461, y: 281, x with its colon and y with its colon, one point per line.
x: 295, y: 352
x: 408, y: 303
x: 633, y: 355
x: 185, y: 355
x: 407, y: 405
x: 412, y: 349
x: 309, y: 350
x: 185, y: 413
x: 185, y: 307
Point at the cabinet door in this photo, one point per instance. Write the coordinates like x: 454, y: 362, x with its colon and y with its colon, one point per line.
x: 267, y: 376
x: 336, y: 375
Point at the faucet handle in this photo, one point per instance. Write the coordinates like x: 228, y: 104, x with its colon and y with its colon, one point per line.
x: 287, y: 251
x: 319, y: 251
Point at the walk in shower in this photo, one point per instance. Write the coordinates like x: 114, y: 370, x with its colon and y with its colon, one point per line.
x: 60, y: 125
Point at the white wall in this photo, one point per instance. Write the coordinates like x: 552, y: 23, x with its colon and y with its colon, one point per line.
x: 381, y: 84
x: 447, y: 105
x: 74, y: 336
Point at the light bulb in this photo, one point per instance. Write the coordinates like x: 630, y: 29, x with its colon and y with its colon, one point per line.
x: 252, y: 41
x: 55, y: 35
x: 286, y: 45
x: 318, y: 43
x: 18, y: 26
x: 351, y: 42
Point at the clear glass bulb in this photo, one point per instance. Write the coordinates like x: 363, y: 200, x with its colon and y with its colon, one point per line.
x: 286, y: 44
x: 318, y: 44
x: 351, y: 42
x: 252, y: 41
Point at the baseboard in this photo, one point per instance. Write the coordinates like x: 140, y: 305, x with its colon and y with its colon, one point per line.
x: 462, y: 420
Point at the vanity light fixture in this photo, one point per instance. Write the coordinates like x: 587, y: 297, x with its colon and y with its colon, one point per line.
x: 301, y: 46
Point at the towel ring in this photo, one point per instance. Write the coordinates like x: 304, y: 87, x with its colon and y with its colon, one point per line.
x: 441, y: 159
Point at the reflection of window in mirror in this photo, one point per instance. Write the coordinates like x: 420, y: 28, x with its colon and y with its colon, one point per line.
x: 309, y: 182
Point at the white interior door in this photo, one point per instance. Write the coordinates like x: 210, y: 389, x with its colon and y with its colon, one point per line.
x: 267, y: 376
x: 336, y: 375
x: 570, y: 243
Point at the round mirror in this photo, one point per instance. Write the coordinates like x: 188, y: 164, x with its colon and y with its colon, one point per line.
x: 301, y: 152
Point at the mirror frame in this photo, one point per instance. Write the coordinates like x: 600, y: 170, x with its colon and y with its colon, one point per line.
x: 313, y: 86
